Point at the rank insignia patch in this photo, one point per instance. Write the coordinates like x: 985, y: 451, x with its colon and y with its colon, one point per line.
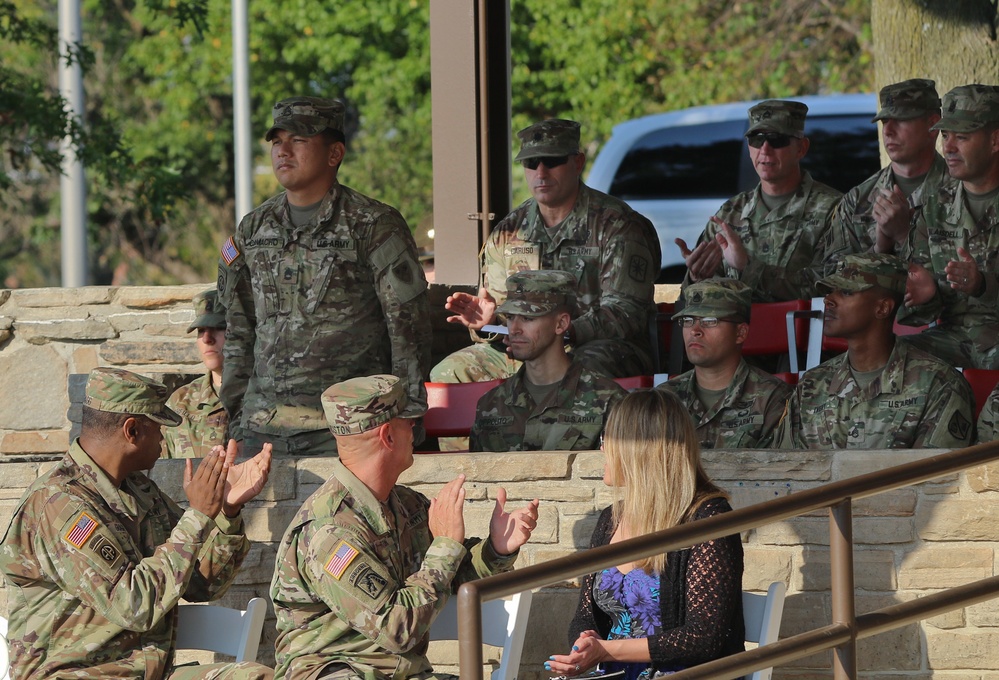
x: 341, y: 558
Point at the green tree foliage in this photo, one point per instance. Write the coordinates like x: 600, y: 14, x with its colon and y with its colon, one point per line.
x: 160, y: 111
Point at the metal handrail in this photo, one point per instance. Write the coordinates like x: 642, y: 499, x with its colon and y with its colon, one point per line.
x: 846, y: 627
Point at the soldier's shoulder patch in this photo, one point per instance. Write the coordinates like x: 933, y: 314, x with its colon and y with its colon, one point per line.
x: 341, y: 557
x: 81, y: 530
x: 366, y: 580
x: 959, y: 426
x: 229, y: 251
x: 106, y: 550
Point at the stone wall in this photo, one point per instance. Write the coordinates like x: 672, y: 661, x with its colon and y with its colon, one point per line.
x: 909, y: 543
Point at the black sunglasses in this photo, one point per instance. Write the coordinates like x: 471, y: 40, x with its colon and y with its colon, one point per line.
x: 775, y: 140
x: 549, y: 161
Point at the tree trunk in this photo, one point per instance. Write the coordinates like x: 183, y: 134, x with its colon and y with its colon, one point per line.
x: 951, y: 41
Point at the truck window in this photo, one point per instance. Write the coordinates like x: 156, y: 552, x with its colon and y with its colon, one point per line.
x: 688, y: 161
x: 844, y: 150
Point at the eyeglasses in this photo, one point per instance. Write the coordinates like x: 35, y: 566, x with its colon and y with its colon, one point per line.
x: 775, y: 140
x: 549, y: 161
x: 703, y: 321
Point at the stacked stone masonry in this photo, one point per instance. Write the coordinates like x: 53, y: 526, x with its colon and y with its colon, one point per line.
x: 909, y: 543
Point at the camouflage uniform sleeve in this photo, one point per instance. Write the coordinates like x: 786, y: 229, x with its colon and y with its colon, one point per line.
x: 786, y: 433
x: 349, y: 578
x: 916, y: 249
x: 773, y: 415
x: 948, y: 420
x: 402, y: 289
x: 709, y: 233
x: 236, y: 294
x: 219, y: 560
x: 630, y: 261
x: 988, y: 420
x: 82, y: 557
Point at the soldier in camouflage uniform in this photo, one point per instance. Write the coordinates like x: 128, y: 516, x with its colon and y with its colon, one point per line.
x: 876, y: 215
x: 553, y: 403
x: 954, y: 243
x: 771, y: 237
x: 611, y: 250
x: 197, y: 402
x: 366, y: 565
x: 988, y: 419
x: 733, y: 405
x: 879, y: 394
x: 320, y: 284
x: 96, y: 557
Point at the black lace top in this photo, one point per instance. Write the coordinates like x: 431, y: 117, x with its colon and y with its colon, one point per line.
x: 701, y: 598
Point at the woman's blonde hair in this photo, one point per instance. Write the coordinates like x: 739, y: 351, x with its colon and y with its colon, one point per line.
x: 654, y: 458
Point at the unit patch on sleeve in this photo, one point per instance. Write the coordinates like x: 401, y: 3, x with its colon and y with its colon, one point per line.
x: 343, y: 554
x: 82, y: 528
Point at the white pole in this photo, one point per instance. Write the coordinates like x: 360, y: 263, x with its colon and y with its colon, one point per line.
x: 243, y: 141
x: 73, y: 184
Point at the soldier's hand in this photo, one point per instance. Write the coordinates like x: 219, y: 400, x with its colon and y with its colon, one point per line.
x: 892, y: 213
x: 510, y: 530
x: 963, y: 274
x: 474, y: 311
x: 447, y: 511
x: 246, y: 479
x: 731, y: 245
x: 920, y: 287
x: 205, y: 488
x: 702, y: 261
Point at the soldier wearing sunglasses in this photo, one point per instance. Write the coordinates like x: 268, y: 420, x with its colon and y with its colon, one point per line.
x: 769, y: 236
x: 611, y: 251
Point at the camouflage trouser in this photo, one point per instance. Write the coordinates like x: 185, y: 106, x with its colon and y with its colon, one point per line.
x: 245, y: 670
x: 318, y: 443
x: 485, y: 361
x: 953, y: 345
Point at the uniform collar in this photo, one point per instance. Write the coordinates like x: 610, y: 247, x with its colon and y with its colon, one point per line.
x: 365, y: 503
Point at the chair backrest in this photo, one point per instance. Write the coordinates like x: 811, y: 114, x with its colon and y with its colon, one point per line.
x: 767, y: 328
x: 451, y: 407
x: 220, y: 629
x: 504, y: 624
x: 788, y: 377
x: 762, y: 615
x: 982, y: 381
x: 635, y: 382
x: 4, y: 653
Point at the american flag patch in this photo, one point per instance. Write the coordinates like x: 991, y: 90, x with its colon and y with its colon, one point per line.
x: 341, y: 558
x: 229, y: 251
x: 81, y: 530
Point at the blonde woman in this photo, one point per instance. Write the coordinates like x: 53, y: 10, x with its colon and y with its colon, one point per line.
x: 669, y: 611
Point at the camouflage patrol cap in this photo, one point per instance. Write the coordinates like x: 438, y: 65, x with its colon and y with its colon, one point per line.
x: 721, y: 298
x: 860, y: 271
x: 208, y: 311
x: 361, y: 404
x: 116, y: 390
x: 307, y: 116
x: 909, y: 99
x: 538, y: 292
x: 969, y: 107
x: 778, y: 115
x: 552, y: 137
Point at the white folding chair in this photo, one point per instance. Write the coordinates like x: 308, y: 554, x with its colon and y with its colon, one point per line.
x: 504, y: 624
x: 4, y: 654
x: 220, y: 629
x: 762, y: 615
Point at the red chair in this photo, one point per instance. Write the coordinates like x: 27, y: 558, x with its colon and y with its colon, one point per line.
x: 790, y: 378
x: 982, y: 381
x: 451, y: 407
x: 635, y: 382
x: 777, y: 326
